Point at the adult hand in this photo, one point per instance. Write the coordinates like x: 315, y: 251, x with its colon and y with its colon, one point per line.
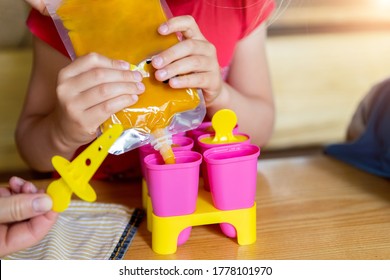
x: 191, y: 63
x: 25, y: 216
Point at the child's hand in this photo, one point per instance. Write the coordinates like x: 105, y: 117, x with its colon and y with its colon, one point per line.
x: 193, y: 60
x: 25, y: 216
x: 38, y: 5
x: 89, y: 91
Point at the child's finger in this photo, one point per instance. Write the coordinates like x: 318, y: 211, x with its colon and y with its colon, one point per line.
x: 200, y: 80
x: 186, y: 65
x: 181, y: 50
x: 88, y: 62
x: 103, y: 77
x: 102, y: 111
x: 105, y: 92
x: 184, y: 24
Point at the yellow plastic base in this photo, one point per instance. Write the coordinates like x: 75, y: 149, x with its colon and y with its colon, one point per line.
x: 166, y: 230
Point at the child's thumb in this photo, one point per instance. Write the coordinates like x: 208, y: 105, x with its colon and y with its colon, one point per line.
x: 20, y: 207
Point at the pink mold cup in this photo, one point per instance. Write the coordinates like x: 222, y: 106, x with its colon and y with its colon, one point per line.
x: 232, y: 173
x: 204, y: 128
x: 143, y: 152
x: 204, y: 146
x: 173, y: 188
x: 244, y: 138
x: 179, y: 143
x: 182, y: 143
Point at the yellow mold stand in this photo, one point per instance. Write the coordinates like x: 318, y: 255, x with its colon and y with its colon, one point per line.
x: 166, y: 230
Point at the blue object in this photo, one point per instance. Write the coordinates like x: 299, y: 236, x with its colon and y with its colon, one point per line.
x: 370, y: 152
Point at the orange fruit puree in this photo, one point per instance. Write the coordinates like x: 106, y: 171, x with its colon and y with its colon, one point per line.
x: 127, y: 30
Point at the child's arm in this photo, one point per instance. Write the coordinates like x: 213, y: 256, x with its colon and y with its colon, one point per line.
x: 66, y: 102
x: 248, y: 88
x: 38, y: 5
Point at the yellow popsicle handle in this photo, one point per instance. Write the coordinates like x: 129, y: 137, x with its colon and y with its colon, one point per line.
x: 75, y: 175
x: 60, y: 193
x: 223, y: 123
x: 86, y: 163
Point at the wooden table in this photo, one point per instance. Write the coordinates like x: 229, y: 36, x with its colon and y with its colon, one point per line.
x: 311, y: 207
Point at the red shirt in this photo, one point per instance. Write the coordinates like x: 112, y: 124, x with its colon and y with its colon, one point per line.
x: 223, y: 23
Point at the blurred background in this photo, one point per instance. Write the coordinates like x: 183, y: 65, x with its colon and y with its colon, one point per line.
x: 330, y: 16
x: 324, y: 56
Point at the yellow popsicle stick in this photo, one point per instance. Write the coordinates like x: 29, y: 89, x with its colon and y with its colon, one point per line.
x: 75, y: 175
x: 223, y: 123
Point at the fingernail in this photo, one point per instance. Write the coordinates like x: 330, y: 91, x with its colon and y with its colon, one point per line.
x: 31, y: 187
x: 18, y: 181
x: 135, y: 97
x: 42, y: 204
x: 162, y: 74
x: 137, y: 76
x: 124, y: 65
x: 157, y: 61
x: 163, y: 28
x: 174, y: 82
x: 140, y: 86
